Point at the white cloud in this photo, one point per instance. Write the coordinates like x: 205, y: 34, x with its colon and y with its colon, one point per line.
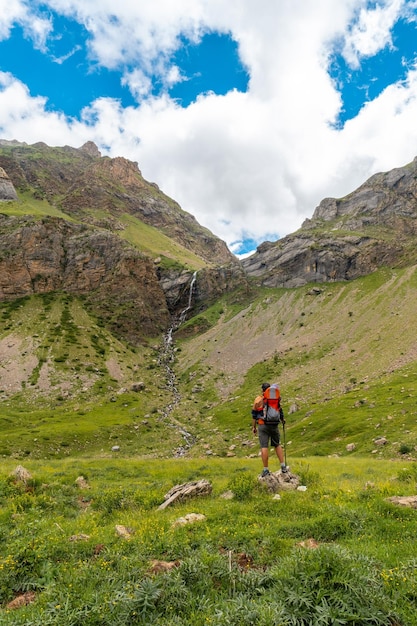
x: 139, y: 84
x: 35, y: 26
x: 372, y: 32
x: 11, y: 11
x: 248, y: 164
x: 24, y: 118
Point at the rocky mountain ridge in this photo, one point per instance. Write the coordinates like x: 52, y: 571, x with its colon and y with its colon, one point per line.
x: 83, y: 252
x: 81, y: 183
x: 373, y: 226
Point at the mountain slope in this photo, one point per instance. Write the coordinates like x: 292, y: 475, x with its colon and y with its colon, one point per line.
x: 51, y: 254
x: 94, y: 349
x: 374, y: 226
x: 93, y: 227
x: 100, y: 191
x: 344, y: 355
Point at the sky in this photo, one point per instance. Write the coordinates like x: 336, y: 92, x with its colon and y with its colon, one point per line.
x: 247, y: 114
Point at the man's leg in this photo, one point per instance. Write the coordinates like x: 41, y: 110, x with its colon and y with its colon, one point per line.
x: 264, y: 456
x: 264, y: 443
x: 280, y: 454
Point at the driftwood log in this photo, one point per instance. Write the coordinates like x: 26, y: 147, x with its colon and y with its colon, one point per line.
x: 179, y: 493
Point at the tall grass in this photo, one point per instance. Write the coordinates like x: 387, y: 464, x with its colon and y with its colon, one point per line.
x: 338, y: 553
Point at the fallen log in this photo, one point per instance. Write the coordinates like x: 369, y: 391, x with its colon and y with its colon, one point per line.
x: 179, y: 493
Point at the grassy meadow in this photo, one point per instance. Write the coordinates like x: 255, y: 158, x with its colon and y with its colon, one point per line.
x: 337, y: 553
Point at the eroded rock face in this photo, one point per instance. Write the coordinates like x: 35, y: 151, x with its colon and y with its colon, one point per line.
x: 346, y: 237
x: 303, y: 258
x: 210, y: 284
x: 40, y: 256
x: 7, y: 190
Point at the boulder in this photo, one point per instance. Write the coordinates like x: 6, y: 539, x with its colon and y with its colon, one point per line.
x: 279, y: 481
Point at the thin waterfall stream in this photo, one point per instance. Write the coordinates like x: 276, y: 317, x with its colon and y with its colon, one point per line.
x: 165, y: 360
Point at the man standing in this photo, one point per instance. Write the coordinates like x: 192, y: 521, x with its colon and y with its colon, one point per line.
x: 266, y: 415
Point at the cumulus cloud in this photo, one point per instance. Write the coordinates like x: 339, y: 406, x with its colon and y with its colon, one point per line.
x: 36, y: 27
x: 372, y: 31
x: 247, y: 165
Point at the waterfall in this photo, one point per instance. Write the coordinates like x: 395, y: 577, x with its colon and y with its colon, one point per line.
x: 166, y: 357
x: 183, y: 313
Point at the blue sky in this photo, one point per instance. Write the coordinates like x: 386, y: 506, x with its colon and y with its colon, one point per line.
x: 246, y: 116
x: 366, y: 82
x: 70, y: 80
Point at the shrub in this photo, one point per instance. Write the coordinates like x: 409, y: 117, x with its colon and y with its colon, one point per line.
x: 405, y: 449
x: 408, y: 474
x: 333, y: 586
x: 242, y: 486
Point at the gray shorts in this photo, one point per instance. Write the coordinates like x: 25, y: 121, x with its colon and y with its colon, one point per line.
x: 268, y: 432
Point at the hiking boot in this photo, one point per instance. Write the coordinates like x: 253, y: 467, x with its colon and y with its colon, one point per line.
x: 284, y: 469
x: 265, y: 472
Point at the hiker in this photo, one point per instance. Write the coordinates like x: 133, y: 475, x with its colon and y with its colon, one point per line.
x: 266, y: 415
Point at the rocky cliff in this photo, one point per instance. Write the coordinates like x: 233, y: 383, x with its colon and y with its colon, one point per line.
x: 84, y: 252
x: 346, y: 238
x: 99, y: 190
x: 7, y: 190
x: 51, y: 254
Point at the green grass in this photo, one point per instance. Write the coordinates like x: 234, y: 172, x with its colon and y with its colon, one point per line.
x: 242, y: 564
x: 28, y: 205
x: 153, y: 242
x: 335, y: 372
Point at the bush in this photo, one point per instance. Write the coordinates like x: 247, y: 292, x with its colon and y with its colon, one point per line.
x: 333, y: 586
x: 405, y: 449
x: 242, y: 486
x: 408, y: 474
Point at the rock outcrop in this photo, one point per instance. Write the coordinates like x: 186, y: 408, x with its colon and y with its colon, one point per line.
x: 307, y: 258
x: 40, y: 256
x: 7, y: 190
x: 349, y: 237
x: 210, y: 284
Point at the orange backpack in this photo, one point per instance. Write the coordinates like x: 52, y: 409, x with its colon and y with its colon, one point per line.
x: 272, y: 399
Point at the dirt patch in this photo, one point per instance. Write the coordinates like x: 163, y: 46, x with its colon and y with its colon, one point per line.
x: 17, y: 362
x: 114, y: 369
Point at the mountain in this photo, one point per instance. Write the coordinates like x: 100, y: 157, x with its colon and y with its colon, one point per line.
x: 104, y: 192
x: 118, y: 319
x: 374, y: 226
x: 92, y: 226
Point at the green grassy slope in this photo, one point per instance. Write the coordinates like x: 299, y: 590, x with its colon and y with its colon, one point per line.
x: 149, y: 240
x: 345, y: 359
x: 65, y: 382
x: 344, y: 356
x: 339, y: 552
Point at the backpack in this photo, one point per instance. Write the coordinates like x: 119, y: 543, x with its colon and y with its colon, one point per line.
x: 258, y: 408
x: 272, y: 398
